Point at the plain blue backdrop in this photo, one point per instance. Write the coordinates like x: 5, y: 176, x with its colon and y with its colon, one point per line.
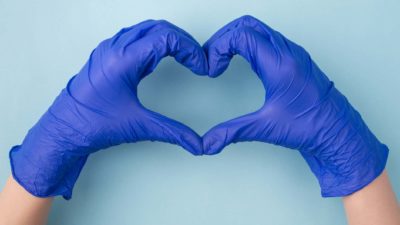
x: 44, y: 43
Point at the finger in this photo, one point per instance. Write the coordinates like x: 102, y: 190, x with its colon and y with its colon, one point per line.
x: 245, y: 41
x: 163, y: 24
x: 189, y: 41
x: 148, y: 27
x: 148, y: 51
x: 134, y: 32
x: 244, y: 128
x: 157, y: 127
x: 280, y: 42
x: 249, y: 21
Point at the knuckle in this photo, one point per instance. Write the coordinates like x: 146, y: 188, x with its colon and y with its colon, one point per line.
x: 148, y: 20
x: 171, y: 35
x: 244, y: 33
x: 164, y: 23
x: 248, y: 18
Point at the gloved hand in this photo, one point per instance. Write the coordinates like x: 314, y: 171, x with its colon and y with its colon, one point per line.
x: 303, y: 110
x: 100, y: 108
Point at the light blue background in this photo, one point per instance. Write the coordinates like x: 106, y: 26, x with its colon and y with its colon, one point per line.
x: 44, y: 43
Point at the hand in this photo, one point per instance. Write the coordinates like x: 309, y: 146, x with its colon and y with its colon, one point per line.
x: 303, y: 110
x: 99, y: 108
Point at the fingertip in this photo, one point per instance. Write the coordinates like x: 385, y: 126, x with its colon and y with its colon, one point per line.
x: 200, y: 66
x: 218, y: 62
x: 217, y: 66
x: 167, y: 130
x: 188, y: 52
x: 212, y: 145
x: 216, y: 71
x: 219, y: 55
x: 192, y: 143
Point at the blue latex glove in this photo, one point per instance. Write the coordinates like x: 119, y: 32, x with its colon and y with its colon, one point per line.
x: 100, y: 108
x: 303, y: 110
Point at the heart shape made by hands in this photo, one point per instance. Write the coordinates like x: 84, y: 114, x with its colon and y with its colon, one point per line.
x: 100, y: 108
x: 283, y: 67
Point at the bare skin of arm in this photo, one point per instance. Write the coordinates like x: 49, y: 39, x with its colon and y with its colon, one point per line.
x: 374, y: 204
x: 19, y: 207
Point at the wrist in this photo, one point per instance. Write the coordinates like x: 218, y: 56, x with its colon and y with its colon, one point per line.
x: 347, y: 156
x: 50, y: 158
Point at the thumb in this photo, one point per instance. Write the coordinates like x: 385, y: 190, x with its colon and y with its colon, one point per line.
x: 160, y: 128
x: 244, y: 128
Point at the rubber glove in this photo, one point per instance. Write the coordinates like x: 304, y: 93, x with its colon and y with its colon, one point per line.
x: 303, y: 110
x: 99, y: 108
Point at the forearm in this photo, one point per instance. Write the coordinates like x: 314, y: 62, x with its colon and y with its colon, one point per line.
x: 18, y: 207
x: 374, y: 204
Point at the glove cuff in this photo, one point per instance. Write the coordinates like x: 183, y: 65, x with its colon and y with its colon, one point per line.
x: 45, y: 181
x: 51, y: 156
x: 349, y: 156
x: 335, y: 184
